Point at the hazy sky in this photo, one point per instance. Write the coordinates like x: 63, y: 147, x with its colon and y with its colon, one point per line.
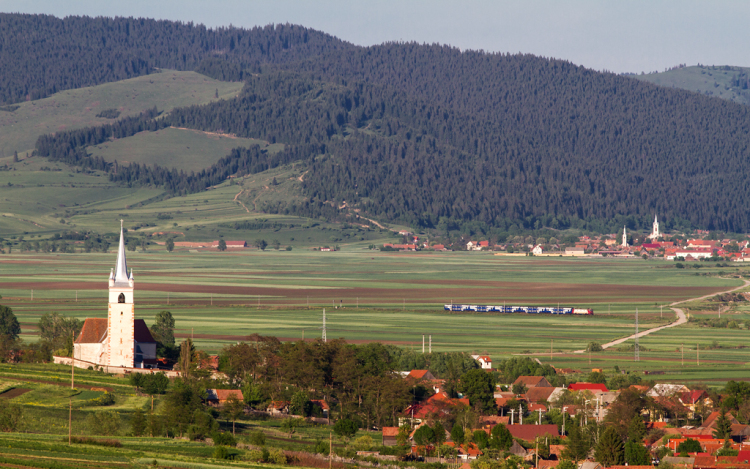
x: 620, y: 36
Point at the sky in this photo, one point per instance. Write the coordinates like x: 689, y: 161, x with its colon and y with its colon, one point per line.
x: 619, y: 36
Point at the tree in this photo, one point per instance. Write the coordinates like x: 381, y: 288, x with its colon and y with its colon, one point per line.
x: 501, y: 437
x: 169, y: 244
x: 636, y: 454
x: 566, y: 464
x: 479, y: 387
x: 723, y: 426
x: 609, y: 451
x: 300, y: 404
x: 345, y: 428
x: 222, y: 245
x: 163, y: 328
x: 481, y: 439
x: 597, y: 377
x: 424, y: 435
x: 144, y: 243
x: 15, y: 157
x: 233, y: 409
x: 138, y: 423
x: 154, y: 383
x: 260, y: 244
x: 9, y: 327
x: 577, y: 445
x: 439, y: 432
x: 457, y: 434
x: 57, y: 329
x: 689, y: 446
x: 519, y: 389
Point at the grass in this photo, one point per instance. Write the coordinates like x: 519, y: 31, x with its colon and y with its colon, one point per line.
x: 709, y: 80
x: 185, y: 149
x: 72, y: 109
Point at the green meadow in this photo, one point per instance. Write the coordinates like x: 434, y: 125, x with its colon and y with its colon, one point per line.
x: 186, y: 149
x: 74, y: 109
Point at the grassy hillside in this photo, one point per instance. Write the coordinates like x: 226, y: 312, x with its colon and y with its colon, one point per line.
x: 723, y: 82
x: 73, y: 109
x: 185, y: 149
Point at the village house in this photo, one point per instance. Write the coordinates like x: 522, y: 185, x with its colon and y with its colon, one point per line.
x: 218, y: 397
x: 532, y: 381
x: 485, y: 362
x: 278, y: 407
x: 537, y: 250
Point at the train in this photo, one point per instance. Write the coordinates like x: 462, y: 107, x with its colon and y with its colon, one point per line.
x: 521, y: 309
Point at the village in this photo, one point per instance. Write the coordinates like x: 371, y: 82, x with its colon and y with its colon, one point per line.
x: 625, y: 245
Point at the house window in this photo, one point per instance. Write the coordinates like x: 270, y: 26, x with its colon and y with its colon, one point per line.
x: 121, y: 298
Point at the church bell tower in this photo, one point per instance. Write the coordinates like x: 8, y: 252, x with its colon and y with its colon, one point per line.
x: 121, y: 316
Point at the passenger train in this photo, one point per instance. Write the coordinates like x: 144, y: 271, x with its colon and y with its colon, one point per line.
x: 520, y: 309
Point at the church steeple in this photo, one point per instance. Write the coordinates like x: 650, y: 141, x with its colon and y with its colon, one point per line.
x: 119, y: 276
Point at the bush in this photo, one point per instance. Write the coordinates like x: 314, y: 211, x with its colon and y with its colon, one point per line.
x: 363, y: 443
x: 321, y: 447
x: 594, y: 347
x: 105, y: 399
x: 345, y: 428
x: 277, y: 456
x: 257, y: 438
x: 223, y: 439
x: 221, y: 452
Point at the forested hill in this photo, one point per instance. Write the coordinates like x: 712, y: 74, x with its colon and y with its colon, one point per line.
x: 42, y: 54
x: 434, y: 137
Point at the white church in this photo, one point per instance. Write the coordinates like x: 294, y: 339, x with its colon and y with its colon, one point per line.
x: 120, y: 340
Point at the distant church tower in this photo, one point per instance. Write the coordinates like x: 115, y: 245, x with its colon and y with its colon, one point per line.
x: 624, y: 237
x: 120, y: 321
x: 655, y: 230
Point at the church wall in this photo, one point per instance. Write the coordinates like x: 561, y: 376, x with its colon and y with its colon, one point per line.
x: 120, y: 334
x: 90, y: 353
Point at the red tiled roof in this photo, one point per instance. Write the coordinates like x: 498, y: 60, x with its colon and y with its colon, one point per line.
x: 94, y: 331
x: 530, y: 381
x: 547, y: 464
x: 529, y: 432
x: 141, y: 333
x: 743, y: 456
x: 537, y: 407
x: 223, y: 394
x: 321, y: 403
x: 539, y: 393
x: 390, y: 431
x: 588, y: 387
x: 692, y: 397
x: 418, y: 374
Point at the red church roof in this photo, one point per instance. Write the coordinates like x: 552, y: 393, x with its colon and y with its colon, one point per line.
x: 94, y: 331
x: 593, y: 387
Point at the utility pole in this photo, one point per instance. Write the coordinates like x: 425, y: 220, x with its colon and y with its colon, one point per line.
x: 73, y: 366
x: 520, y: 414
x: 682, y: 349
x: 697, y: 354
x: 512, y: 413
x: 430, y: 343
x: 551, y: 343
x: 661, y: 311
x: 422, y: 344
x: 563, y: 426
x: 70, y: 420
x: 324, y: 326
x: 330, y: 449
x: 539, y: 422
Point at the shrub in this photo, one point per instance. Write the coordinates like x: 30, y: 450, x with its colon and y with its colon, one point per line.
x: 257, y: 438
x: 221, y: 452
x: 363, y: 443
x: 321, y: 447
x: 345, y: 428
x: 277, y: 456
x: 224, y: 439
x: 255, y: 455
x: 11, y: 416
x: 105, y: 399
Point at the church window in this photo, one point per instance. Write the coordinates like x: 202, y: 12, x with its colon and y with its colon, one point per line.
x: 121, y: 298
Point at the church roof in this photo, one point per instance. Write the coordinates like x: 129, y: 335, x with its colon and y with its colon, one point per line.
x: 94, y: 331
x: 120, y: 275
x: 141, y: 334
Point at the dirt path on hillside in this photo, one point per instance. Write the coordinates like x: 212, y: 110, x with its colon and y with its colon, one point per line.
x: 243, y: 205
x: 681, y: 318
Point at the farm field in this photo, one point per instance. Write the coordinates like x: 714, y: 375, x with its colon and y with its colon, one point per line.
x: 72, y: 109
x: 220, y: 298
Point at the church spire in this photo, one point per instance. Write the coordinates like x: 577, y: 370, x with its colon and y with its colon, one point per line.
x: 121, y: 276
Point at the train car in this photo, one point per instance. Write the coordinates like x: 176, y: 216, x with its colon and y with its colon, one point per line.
x: 519, y: 309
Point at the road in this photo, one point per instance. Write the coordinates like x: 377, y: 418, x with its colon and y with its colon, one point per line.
x: 681, y: 318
